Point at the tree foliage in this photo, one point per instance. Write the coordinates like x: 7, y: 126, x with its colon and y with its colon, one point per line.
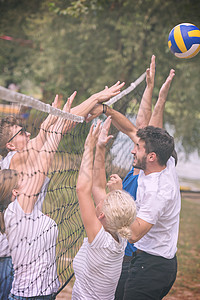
x: 60, y: 46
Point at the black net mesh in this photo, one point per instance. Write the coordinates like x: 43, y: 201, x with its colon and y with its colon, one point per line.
x: 44, y: 242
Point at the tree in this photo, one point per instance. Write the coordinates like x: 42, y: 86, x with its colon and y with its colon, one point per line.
x: 84, y: 45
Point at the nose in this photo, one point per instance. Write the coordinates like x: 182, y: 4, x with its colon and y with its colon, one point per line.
x: 133, y: 151
x: 28, y: 133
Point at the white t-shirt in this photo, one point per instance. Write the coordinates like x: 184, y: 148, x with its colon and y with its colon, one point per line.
x: 32, y: 242
x: 5, y: 164
x: 159, y: 203
x: 4, y: 249
x: 97, y: 267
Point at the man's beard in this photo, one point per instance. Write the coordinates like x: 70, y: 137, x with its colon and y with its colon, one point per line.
x: 140, y: 164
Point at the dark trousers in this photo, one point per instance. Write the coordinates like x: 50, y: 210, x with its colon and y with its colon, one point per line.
x: 150, y: 277
x: 119, y: 293
x: 6, y: 277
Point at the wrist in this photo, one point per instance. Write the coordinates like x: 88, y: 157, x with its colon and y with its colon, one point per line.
x: 94, y: 98
x: 150, y: 86
x: 101, y: 145
x: 105, y: 107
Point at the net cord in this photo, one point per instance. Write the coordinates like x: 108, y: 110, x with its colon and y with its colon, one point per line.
x: 132, y: 86
x: 11, y: 96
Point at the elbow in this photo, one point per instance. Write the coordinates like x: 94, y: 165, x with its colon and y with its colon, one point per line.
x: 79, y: 188
x: 82, y: 188
x: 132, y: 239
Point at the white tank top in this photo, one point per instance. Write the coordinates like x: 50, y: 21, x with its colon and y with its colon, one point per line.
x: 5, y: 164
x: 4, y: 249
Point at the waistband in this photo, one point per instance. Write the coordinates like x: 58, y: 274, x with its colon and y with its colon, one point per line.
x: 4, y: 257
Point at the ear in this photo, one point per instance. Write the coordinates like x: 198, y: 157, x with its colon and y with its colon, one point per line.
x: 10, y: 147
x: 101, y: 216
x: 15, y: 192
x: 152, y: 156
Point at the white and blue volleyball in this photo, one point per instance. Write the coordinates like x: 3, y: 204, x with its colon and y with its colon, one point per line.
x: 184, y: 40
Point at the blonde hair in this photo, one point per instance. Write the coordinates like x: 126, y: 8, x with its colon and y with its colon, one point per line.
x: 5, y: 132
x: 120, y: 211
x: 8, y: 182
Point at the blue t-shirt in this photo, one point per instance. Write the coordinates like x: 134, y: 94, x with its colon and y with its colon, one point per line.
x: 130, y: 184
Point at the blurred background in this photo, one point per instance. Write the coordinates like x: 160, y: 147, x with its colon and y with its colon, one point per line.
x: 58, y: 46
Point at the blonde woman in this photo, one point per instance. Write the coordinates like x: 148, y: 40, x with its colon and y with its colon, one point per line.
x: 98, y: 263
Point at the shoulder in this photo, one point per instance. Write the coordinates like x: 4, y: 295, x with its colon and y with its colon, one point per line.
x: 104, y: 240
x: 171, y: 162
x: 5, y: 162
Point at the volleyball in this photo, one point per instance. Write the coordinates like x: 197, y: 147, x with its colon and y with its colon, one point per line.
x: 184, y: 40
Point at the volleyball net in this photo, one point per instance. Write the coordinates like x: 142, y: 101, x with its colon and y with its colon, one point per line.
x: 44, y: 241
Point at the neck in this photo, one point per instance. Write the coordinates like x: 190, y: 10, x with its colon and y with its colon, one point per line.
x: 114, y: 235
x: 154, y: 169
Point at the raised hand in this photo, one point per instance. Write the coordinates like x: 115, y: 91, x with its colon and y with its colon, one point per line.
x: 150, y: 72
x: 166, y: 85
x: 103, y: 136
x: 68, y: 104
x: 115, y: 183
x: 107, y: 93
x: 93, y: 135
x: 51, y: 119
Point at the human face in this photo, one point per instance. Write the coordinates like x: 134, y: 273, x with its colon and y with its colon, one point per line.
x: 140, y: 156
x: 19, y: 138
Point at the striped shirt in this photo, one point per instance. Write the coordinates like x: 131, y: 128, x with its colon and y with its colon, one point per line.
x: 97, y: 267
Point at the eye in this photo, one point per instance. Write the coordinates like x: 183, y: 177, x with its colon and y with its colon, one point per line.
x: 23, y: 131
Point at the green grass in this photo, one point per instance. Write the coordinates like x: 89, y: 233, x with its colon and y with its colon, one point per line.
x: 187, y: 285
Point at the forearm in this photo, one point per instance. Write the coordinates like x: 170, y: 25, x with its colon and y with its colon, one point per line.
x: 145, y: 109
x: 84, y: 108
x: 122, y: 123
x: 99, y: 175
x: 157, y: 115
x: 85, y: 177
x: 158, y: 112
x: 139, y: 228
x: 38, y: 142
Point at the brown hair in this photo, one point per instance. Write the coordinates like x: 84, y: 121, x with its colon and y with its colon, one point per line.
x: 5, y: 132
x: 157, y: 140
x: 8, y: 182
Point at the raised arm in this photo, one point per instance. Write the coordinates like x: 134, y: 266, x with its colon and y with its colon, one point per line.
x: 36, y: 167
x: 40, y: 139
x: 99, y: 174
x: 145, y: 109
x: 84, y: 186
x: 157, y: 115
x: 121, y: 122
x: 85, y: 107
x: 144, y: 113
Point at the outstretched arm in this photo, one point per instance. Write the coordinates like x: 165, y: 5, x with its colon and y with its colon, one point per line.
x: 40, y: 139
x: 99, y: 174
x: 157, y: 115
x: 85, y: 107
x: 80, y: 110
x: 144, y: 113
x: 36, y: 167
x: 84, y: 186
x: 145, y: 109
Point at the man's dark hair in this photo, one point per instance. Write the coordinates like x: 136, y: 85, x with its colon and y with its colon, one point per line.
x: 159, y: 141
x: 5, y: 132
